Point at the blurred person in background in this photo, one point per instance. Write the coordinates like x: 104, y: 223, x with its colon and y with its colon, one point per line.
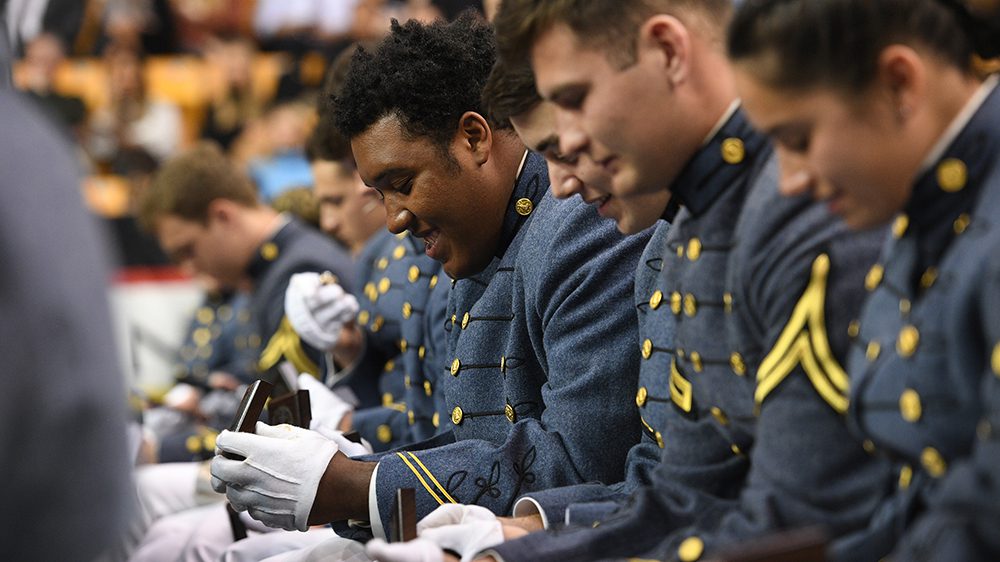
x: 42, y: 58
x: 283, y: 165
x: 234, y: 100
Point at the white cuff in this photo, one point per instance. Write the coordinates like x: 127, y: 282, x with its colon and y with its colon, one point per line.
x: 373, y: 514
x: 526, y: 506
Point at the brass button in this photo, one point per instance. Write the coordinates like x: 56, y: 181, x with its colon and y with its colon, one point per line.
x: 399, y: 252
x: 727, y: 302
x: 269, y: 251
x: 874, y: 277
x: 524, y: 206
x: 873, y: 350
x: 413, y: 274
x: 640, y: 396
x: 363, y: 317
x: 456, y: 415
x: 694, y: 249
x: 995, y: 360
x: 909, y: 405
x: 453, y: 319
x: 421, y: 352
x: 691, y: 549
x: 899, y: 226
x: 192, y: 444
x: 655, y: 299
x: 659, y: 439
x: 735, y: 449
x: 382, y: 263
x: 904, y: 306
x: 205, y: 351
x: 389, y: 365
x: 406, y: 381
x: 383, y: 285
x: 720, y: 416
x: 407, y: 310
x: 961, y: 223
x: 908, y: 340
x: 427, y: 388
x: 384, y: 433
x: 205, y: 315
x: 370, y: 291
x: 503, y: 364
x: 733, y: 150
x: 675, y: 302
x: 647, y: 348
x: 952, y: 175
x: 377, y: 323
x: 387, y: 399
x: 737, y: 363
x: 696, y: 361
x: 680, y: 250
x: 928, y: 278
x: 225, y: 313
x: 853, y: 329
x: 455, y: 366
x: 869, y: 446
x: 465, y: 320
x: 201, y: 336
x: 508, y: 411
x: 434, y: 282
x: 410, y: 417
x: 905, y: 476
x: 436, y: 419
x: 933, y: 462
x: 403, y: 345
x: 690, y: 305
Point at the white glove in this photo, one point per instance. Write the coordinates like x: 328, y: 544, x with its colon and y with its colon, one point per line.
x: 278, y: 480
x: 346, y: 446
x: 465, y: 529
x: 327, y: 408
x: 417, y: 550
x: 318, y: 308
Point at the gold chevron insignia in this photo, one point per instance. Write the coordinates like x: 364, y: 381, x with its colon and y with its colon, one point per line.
x: 285, y: 343
x: 804, y: 342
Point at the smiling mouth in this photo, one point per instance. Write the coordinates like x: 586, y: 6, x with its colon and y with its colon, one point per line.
x: 430, y: 238
x: 598, y: 202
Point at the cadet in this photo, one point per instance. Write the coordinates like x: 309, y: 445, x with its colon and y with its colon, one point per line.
x: 747, y: 278
x: 877, y: 113
x: 540, y: 311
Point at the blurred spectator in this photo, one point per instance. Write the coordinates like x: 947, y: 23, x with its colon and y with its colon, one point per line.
x: 43, y: 55
x: 198, y: 21
x: 64, y: 477
x: 134, y: 247
x: 301, y: 202
x: 284, y: 165
x: 26, y: 19
x: 235, y: 100
x: 132, y: 119
x: 298, y: 24
x: 142, y: 25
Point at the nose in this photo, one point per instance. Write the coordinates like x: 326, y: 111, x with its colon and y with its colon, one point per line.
x: 397, y: 218
x: 795, y: 178
x: 572, y: 138
x: 328, y: 221
x: 563, y: 183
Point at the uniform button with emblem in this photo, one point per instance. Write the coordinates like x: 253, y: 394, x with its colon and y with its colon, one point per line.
x: 696, y: 362
x: 676, y: 301
x: 427, y: 388
x: 524, y: 206
x: 655, y: 299
x: 899, y: 226
x: 853, y: 329
x: 413, y: 274
x: 905, y: 476
x: 735, y: 449
x: 382, y: 263
x: 387, y: 399
x: 399, y: 252
x: 872, y: 351
x: 377, y: 323
x: 727, y: 302
x: 737, y: 363
x: 421, y: 352
x: 647, y: 348
x: 465, y: 320
x: 201, y: 336
x: 508, y: 411
x: 933, y: 462
x: 720, y: 416
x: 436, y: 419
x: 640, y: 396
x: 694, y: 249
x: 690, y: 305
x: 384, y: 433
x: 909, y: 405
x: 909, y: 339
x: 403, y: 345
x: 733, y: 150
x: 205, y: 315
x: 904, y: 306
x: 364, y: 316
x: 952, y: 175
x: 434, y: 281
x: 961, y: 223
x: 383, y: 285
x: 269, y: 251
x: 455, y: 366
x: 874, y: 277
x: 407, y: 310
x: 456, y: 415
x: 389, y: 365
x: 928, y: 278
x: 995, y: 360
x: 410, y: 417
x: 680, y: 251
x: 690, y: 549
x: 869, y: 446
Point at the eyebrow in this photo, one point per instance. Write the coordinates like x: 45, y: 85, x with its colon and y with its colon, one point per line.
x: 379, y: 179
x: 544, y: 144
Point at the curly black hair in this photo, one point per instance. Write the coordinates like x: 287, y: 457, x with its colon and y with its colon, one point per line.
x: 426, y: 74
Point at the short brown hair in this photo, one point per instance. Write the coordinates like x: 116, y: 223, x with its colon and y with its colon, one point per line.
x: 188, y: 183
x: 510, y: 91
x: 608, y: 25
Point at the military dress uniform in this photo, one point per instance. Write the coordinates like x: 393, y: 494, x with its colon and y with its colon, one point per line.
x: 538, y: 387
x: 396, y: 282
x: 296, y: 248
x: 925, y: 361
x: 762, y: 289
x: 220, y: 337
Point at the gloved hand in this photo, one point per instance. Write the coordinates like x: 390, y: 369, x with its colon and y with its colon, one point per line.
x: 327, y: 408
x: 278, y: 479
x: 417, y: 550
x: 318, y: 308
x: 465, y: 529
x: 346, y: 446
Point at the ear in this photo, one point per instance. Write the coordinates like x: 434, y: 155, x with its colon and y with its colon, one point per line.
x: 220, y: 211
x: 902, y: 77
x: 667, y: 40
x: 475, y: 137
